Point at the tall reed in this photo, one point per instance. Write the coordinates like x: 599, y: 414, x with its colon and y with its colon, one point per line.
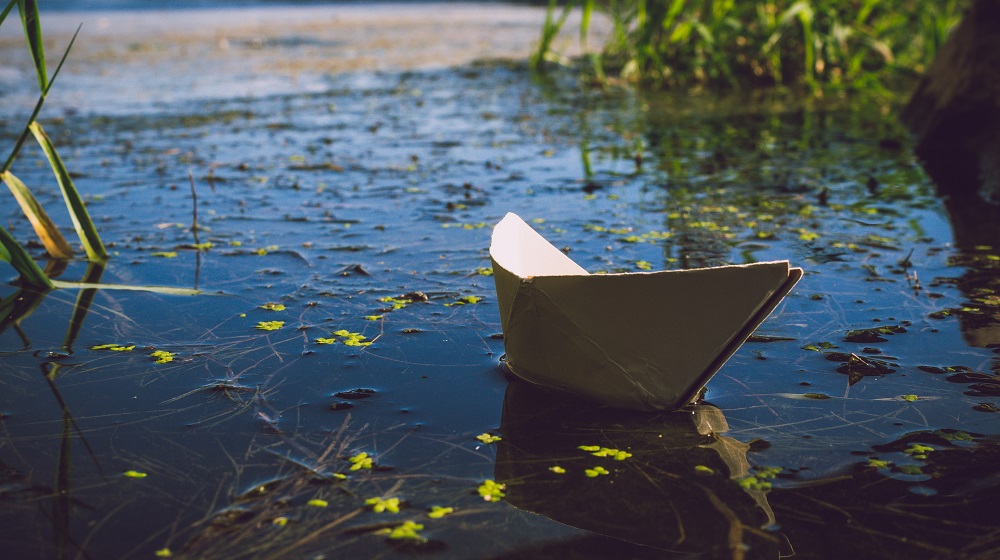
x: 55, y: 244
x: 817, y: 44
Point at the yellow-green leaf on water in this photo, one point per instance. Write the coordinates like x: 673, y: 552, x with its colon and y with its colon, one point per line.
x: 373, y: 317
x: 361, y: 461
x: 280, y: 521
x: 644, y: 265
x: 408, y: 530
x: 488, y: 438
x: 270, y: 325
x: 490, y: 491
x: 437, y: 512
x: 164, y: 254
x: 162, y: 356
x: 326, y: 340
x: 909, y: 398
x: 135, y: 474
x: 596, y: 471
x: 380, y: 505
x: 557, y: 469
x: 316, y: 502
x: 273, y: 306
x: 703, y: 470
x: 163, y: 553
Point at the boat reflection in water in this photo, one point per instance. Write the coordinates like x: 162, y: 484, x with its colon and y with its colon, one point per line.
x: 666, y: 480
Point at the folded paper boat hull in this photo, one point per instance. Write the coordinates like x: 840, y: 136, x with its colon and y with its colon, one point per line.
x: 646, y: 341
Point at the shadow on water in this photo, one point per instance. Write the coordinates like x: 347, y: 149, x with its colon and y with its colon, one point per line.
x: 683, y: 486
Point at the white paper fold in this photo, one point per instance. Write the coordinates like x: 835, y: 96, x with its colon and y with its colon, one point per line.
x: 646, y: 340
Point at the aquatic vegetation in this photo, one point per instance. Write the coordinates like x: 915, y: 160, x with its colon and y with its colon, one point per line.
x: 352, y: 338
x: 465, y: 300
x: 491, y: 491
x: 596, y: 471
x: 361, y: 461
x: 557, y: 469
x: 162, y: 356
x: 598, y: 451
x: 488, y: 438
x: 819, y: 45
x: 437, y: 512
x: 269, y: 325
x: 316, y: 502
x: 703, y: 470
x: 383, y: 505
x: 918, y: 451
x: 134, y: 474
x: 163, y: 553
x: 273, y: 306
x: 114, y: 347
x: 879, y: 463
x: 408, y: 530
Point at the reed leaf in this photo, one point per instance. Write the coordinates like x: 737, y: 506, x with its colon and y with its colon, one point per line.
x: 12, y: 252
x: 33, y: 33
x: 166, y: 290
x: 84, y: 226
x: 46, y: 231
x: 6, y: 11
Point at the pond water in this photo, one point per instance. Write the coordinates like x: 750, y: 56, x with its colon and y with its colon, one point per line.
x: 859, y: 422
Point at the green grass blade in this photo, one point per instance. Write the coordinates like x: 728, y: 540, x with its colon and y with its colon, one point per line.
x: 81, y: 219
x: 46, y: 231
x: 12, y: 252
x: 38, y: 108
x: 3, y: 14
x: 33, y: 33
x: 166, y: 290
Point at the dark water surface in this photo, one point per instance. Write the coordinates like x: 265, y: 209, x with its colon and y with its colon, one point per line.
x: 857, y: 425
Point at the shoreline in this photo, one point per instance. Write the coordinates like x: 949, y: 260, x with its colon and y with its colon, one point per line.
x: 126, y: 60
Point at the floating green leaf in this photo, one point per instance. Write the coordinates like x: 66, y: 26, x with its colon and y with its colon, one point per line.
x: 490, y: 491
x: 162, y: 356
x: 382, y: 505
x: 273, y: 307
x: 361, y: 461
x: 408, y: 530
x: 437, y: 512
x: 135, y: 474
x: 557, y: 469
x: 596, y: 471
x: 316, y: 502
x: 270, y: 325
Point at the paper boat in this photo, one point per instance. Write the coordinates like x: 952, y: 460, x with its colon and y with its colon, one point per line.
x: 645, y: 341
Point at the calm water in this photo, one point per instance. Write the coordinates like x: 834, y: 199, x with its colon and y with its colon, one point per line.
x: 379, y: 185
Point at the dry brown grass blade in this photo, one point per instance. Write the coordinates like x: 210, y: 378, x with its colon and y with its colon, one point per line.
x: 46, y: 231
